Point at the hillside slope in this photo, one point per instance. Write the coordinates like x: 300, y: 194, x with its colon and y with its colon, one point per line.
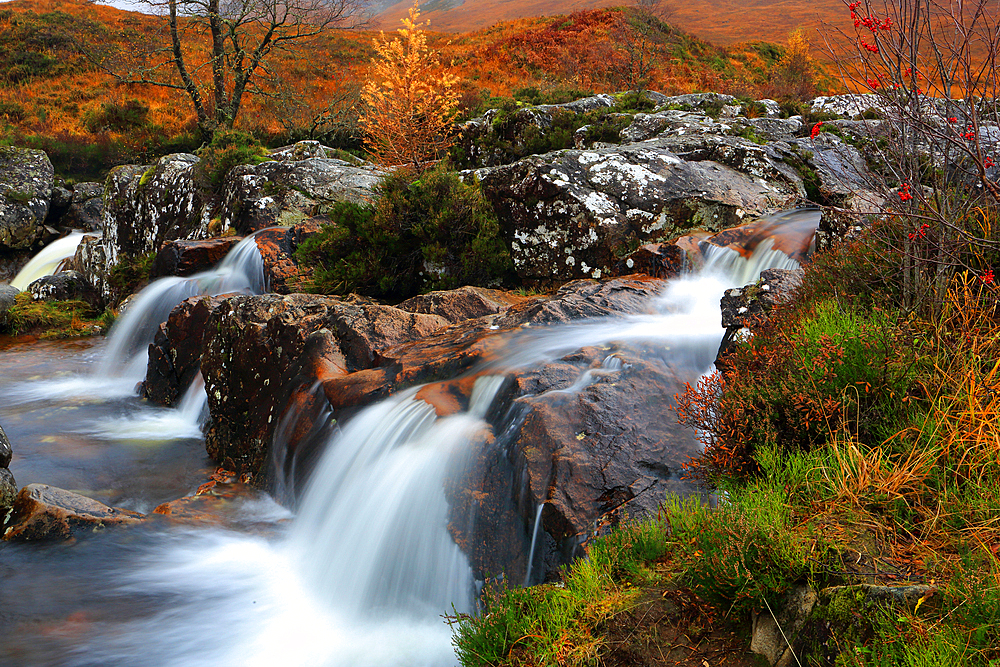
x: 722, y: 22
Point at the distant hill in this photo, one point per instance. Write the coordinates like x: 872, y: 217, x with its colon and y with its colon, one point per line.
x: 54, y: 98
x: 722, y: 22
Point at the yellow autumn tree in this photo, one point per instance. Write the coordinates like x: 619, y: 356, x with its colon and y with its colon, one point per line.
x: 410, y: 102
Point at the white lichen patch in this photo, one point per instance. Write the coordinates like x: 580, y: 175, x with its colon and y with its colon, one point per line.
x: 600, y: 205
x: 589, y: 158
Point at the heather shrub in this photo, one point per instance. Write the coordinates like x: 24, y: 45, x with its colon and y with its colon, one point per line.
x: 420, y: 234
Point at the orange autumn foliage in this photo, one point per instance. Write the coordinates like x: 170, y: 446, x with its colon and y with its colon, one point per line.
x: 410, y: 101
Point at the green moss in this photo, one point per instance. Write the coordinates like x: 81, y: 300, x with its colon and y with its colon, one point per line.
x: 51, y: 319
x: 228, y: 149
x: 146, y: 176
x: 130, y: 274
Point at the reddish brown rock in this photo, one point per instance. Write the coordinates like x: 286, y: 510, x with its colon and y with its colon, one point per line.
x: 185, y: 258
x: 44, y: 512
x: 464, y: 303
x: 215, y: 501
x: 790, y: 231
x: 277, y: 247
x: 253, y: 350
x: 659, y: 260
x: 175, y: 353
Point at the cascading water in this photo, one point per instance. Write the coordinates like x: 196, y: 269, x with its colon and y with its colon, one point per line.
x: 125, y: 356
x: 47, y: 261
x: 368, y: 566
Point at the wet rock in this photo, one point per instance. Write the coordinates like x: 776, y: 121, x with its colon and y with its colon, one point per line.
x: 252, y: 350
x: 584, y: 299
x: 63, y: 286
x: 659, y: 260
x: 86, y: 209
x: 43, y: 512
x: 8, y: 493
x: 277, y: 247
x: 25, y: 185
x: 792, y: 232
x: 573, y: 214
x: 464, y: 303
x: 255, y: 197
x: 5, y: 451
x: 8, y: 295
x: 580, y: 454
x: 184, y: 258
x: 175, y: 353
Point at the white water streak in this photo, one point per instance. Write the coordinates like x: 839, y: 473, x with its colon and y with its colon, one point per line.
x: 47, y: 261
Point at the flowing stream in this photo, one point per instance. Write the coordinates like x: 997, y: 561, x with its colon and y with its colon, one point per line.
x: 359, y: 576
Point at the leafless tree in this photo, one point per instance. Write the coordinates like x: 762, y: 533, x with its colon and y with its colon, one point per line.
x: 930, y: 69
x: 216, y: 50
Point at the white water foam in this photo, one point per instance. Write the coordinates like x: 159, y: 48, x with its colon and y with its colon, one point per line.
x: 47, y: 261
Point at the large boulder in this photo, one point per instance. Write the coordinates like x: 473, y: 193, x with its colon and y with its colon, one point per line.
x: 175, y: 353
x: 252, y: 349
x: 185, y: 258
x: 63, y: 286
x: 43, y: 512
x: 25, y: 185
x: 286, y: 192
x: 575, y: 214
x: 86, y: 208
x: 147, y: 205
x: 8, y: 295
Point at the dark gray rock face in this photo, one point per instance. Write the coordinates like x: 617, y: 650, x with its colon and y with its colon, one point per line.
x: 62, y: 286
x: 5, y: 450
x: 8, y: 295
x: 86, y: 209
x: 574, y: 214
x: 283, y: 193
x: 25, y: 187
x: 175, y: 353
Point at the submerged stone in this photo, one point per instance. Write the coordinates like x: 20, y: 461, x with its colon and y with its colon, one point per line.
x: 43, y: 512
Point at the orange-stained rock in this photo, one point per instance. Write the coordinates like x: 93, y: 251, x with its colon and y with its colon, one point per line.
x: 175, y: 354
x: 277, y: 247
x: 43, y: 512
x: 463, y: 303
x: 212, y: 503
x: 791, y: 231
x: 184, y: 257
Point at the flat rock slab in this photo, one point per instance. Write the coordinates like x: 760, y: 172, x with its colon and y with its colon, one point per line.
x: 43, y: 512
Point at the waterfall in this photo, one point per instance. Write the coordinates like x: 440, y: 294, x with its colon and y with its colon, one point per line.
x: 380, y: 489
x: 47, y: 261
x: 125, y: 356
x: 363, y: 574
